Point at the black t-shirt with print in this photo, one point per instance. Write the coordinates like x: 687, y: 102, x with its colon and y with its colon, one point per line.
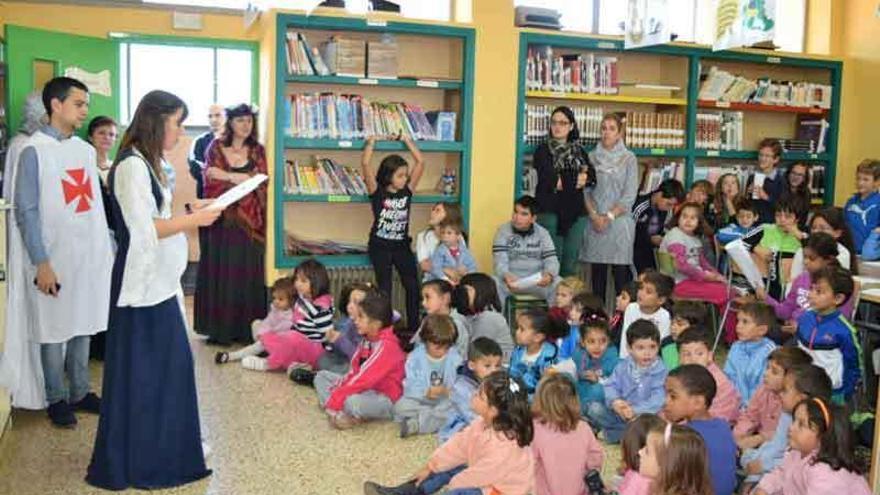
x: 391, y: 218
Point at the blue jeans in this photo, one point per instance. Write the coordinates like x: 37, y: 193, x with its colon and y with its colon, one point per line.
x: 75, y: 361
x: 436, y: 481
x: 601, y: 416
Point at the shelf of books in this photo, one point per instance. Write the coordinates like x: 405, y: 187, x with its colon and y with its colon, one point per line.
x: 689, y: 112
x: 341, y: 81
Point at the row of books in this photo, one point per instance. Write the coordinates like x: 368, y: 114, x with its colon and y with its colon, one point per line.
x: 323, y: 176
x: 745, y: 172
x: 296, y: 246
x: 302, y: 58
x: 334, y: 116
x: 656, y: 172
x: 572, y: 73
x: 721, y: 85
x: 815, y: 131
x: 719, y: 131
x: 654, y: 130
x: 537, y: 123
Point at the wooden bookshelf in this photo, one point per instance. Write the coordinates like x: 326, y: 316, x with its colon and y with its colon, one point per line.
x: 435, y: 72
x: 759, y: 107
x: 555, y: 95
x: 680, y: 65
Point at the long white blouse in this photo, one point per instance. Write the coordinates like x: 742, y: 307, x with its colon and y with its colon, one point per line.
x: 153, y: 266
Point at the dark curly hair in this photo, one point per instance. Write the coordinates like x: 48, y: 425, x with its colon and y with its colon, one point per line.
x: 508, y: 395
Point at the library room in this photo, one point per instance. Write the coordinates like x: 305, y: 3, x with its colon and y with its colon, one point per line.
x: 405, y: 247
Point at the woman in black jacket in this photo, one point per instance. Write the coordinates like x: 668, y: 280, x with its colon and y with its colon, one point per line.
x: 564, y: 170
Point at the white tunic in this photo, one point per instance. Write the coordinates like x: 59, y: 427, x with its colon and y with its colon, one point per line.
x: 153, y: 266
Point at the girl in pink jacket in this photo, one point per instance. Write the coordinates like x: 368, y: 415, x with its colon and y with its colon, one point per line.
x: 820, y: 459
x: 634, y: 440
x: 564, y: 446
x: 489, y: 457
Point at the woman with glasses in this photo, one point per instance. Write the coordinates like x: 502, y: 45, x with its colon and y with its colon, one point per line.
x: 564, y: 170
x: 797, y: 190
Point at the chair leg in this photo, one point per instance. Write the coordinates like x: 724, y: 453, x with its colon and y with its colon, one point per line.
x: 720, y: 330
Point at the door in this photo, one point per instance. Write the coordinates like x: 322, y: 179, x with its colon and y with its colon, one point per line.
x: 36, y: 55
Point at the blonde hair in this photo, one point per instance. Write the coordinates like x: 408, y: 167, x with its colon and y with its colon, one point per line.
x: 556, y: 403
x: 574, y: 283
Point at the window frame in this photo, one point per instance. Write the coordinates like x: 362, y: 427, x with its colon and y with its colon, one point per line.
x: 215, y: 44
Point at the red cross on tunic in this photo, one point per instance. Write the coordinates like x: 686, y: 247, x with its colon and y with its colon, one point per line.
x: 80, y: 187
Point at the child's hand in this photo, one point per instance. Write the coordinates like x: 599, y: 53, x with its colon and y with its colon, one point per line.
x: 761, y: 294
x: 754, y: 468
x: 545, y: 280
x: 509, y: 280
x: 437, y: 392
x: 421, y: 475
x: 622, y: 408
x: 331, y: 335
x: 877, y: 230
x: 591, y: 376
x: 656, y: 239
x: 750, y: 442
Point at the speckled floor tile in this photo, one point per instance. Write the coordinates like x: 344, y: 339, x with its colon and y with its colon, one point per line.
x: 267, y: 436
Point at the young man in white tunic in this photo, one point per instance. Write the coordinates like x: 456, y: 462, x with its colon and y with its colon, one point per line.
x: 61, y: 256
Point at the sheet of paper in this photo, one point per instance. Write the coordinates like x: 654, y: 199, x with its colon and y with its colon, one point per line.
x: 236, y: 193
x: 528, y: 282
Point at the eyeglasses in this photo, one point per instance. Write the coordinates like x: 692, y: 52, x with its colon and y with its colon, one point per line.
x: 560, y: 122
x: 797, y: 174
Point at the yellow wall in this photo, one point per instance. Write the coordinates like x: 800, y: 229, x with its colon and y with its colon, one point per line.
x: 856, y: 39
x: 99, y: 21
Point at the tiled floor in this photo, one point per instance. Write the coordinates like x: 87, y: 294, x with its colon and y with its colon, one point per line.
x: 267, y: 435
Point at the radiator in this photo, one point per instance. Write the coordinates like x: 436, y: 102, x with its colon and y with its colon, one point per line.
x: 344, y: 275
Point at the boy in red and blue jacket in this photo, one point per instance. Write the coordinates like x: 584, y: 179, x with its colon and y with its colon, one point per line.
x: 825, y: 334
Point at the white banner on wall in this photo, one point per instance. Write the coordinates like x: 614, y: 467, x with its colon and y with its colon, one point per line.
x: 741, y: 23
x: 647, y: 23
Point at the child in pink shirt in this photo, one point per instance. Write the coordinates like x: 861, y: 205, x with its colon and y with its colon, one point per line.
x: 820, y: 459
x: 634, y: 439
x: 491, y: 455
x: 564, y: 446
x: 758, y: 421
x: 695, y: 347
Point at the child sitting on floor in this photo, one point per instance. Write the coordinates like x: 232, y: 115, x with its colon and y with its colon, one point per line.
x: 634, y: 440
x: 685, y: 314
x: 564, y: 446
x: 674, y: 459
x: 484, y: 358
x: 430, y: 372
x: 747, y: 359
x: 279, y: 319
x: 635, y: 386
x: 654, y: 290
x: 690, y: 390
x: 533, y: 354
x: 476, y: 297
x: 492, y: 455
x: 821, y: 458
x: 437, y: 300
x: 583, y: 307
x: 695, y: 346
x: 375, y: 381
x: 826, y: 334
x: 595, y: 360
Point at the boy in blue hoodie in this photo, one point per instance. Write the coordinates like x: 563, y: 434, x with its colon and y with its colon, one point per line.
x: 595, y: 360
x: 484, y: 358
x: 535, y: 352
x: 746, y: 217
x: 827, y: 336
x: 430, y: 372
x: 635, y: 386
x: 747, y: 359
x: 863, y: 209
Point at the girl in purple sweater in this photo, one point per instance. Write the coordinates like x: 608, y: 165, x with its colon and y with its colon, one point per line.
x: 820, y: 251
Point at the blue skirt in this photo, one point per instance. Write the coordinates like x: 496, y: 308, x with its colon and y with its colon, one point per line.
x: 148, y: 435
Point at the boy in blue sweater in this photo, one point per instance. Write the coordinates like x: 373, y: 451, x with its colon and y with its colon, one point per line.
x: 747, y: 359
x: 863, y: 209
x: 636, y: 385
x: 690, y: 389
x: 746, y: 218
x: 430, y: 372
x: 484, y: 358
x: 451, y: 259
x: 594, y: 360
x: 827, y: 336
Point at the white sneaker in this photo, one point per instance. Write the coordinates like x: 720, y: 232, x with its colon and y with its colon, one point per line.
x: 255, y: 363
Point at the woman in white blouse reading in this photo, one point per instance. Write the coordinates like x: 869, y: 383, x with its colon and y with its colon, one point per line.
x: 149, y: 433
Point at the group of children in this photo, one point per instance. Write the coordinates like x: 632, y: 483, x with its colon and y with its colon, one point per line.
x: 516, y: 411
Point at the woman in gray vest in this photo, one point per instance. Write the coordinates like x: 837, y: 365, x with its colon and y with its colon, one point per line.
x: 608, y: 239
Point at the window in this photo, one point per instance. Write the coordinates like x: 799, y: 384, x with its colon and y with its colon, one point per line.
x: 200, y: 75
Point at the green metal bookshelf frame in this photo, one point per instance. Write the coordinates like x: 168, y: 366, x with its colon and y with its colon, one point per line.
x: 284, y: 142
x: 695, y: 55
